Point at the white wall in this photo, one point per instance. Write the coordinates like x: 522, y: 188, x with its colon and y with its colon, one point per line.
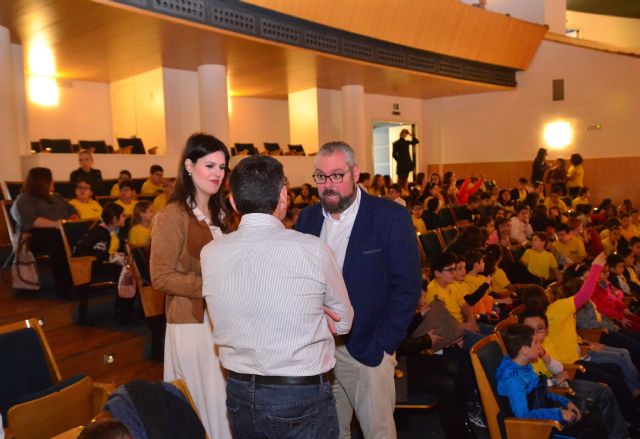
x: 83, y: 113
x: 600, y: 88
x: 138, y: 105
x: 256, y: 121
x: 617, y: 31
x: 181, y: 99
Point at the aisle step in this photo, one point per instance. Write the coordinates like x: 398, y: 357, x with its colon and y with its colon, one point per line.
x: 56, y: 313
x: 142, y: 370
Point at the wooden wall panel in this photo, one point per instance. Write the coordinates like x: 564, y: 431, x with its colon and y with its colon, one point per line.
x: 614, y: 177
x: 443, y: 26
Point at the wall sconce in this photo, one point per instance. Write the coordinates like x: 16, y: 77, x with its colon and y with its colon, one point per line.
x: 558, y: 135
x: 42, y: 84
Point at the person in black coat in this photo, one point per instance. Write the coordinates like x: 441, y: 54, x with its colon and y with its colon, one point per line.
x: 402, y: 156
x: 92, y: 176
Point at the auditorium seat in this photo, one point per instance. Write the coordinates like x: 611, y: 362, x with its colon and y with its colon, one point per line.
x: 296, y: 149
x: 273, y: 148
x: 131, y: 145
x: 56, y: 145
x: 96, y: 146
x: 245, y: 149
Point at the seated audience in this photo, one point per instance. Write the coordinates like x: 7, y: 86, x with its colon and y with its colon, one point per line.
x: 567, y: 248
x: 539, y: 220
x: 614, y: 241
x: 430, y: 215
x: 504, y: 200
x: 153, y: 185
x: 395, y: 194
x: 416, y: 217
x: 474, y: 279
x: 140, y: 232
x: 485, y: 207
x: 85, y: 205
x: 553, y: 200
x: 539, y: 262
x: 527, y: 394
x: 519, y: 193
x: 306, y: 198
x: 163, y: 199
x: 434, y: 191
x: 93, y: 176
x: 364, y: 181
x: 469, y: 211
x: 122, y: 176
x: 635, y: 222
x: 469, y: 187
x: 626, y: 230
x: 37, y: 212
x: 583, y: 198
x: 127, y: 197
x: 378, y: 187
x: 521, y: 230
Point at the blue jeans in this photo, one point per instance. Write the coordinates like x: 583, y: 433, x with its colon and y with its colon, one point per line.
x: 281, y: 411
x: 621, y: 358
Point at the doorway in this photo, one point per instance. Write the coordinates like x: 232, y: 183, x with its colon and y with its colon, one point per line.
x: 384, y: 134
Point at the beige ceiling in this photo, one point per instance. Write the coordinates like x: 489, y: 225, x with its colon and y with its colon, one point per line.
x: 107, y: 42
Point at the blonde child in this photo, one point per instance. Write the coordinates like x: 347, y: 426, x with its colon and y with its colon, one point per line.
x: 140, y: 233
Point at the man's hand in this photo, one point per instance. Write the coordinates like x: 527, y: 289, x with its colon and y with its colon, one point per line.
x: 571, y: 406
x: 331, y: 317
x: 597, y: 347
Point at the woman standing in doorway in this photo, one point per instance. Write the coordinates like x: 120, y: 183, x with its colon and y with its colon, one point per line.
x: 195, y: 215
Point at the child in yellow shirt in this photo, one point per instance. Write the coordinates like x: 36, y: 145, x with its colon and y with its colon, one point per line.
x: 538, y: 261
x: 416, y: 217
x: 140, y: 232
x: 122, y: 176
x: 153, y: 185
x: 85, y: 205
x: 127, y: 195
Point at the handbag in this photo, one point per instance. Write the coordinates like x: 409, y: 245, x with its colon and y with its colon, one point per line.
x: 440, y: 319
x: 126, y: 281
x: 24, y: 273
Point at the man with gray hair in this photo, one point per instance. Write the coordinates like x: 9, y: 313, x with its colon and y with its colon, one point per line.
x: 376, y: 247
x: 267, y: 290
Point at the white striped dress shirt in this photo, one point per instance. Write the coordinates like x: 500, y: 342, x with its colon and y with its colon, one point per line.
x: 266, y: 288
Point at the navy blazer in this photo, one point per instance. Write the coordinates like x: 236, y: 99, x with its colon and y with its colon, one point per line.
x: 382, y: 273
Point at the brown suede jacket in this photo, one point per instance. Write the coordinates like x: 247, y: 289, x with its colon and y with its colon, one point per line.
x: 177, y: 238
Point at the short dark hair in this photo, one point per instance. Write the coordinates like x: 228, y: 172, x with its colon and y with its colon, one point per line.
x: 576, y: 159
x: 127, y: 183
x: 534, y: 298
x: 364, y: 176
x: 529, y: 313
x: 471, y: 258
x: 520, y: 207
x: 396, y: 187
x: 614, y: 259
x: 472, y: 199
x: 155, y: 168
x: 523, y: 180
x: 105, y: 429
x: 542, y: 236
x: 255, y: 184
x: 516, y: 337
x: 563, y: 228
x: 625, y: 252
x: 125, y: 171
x: 634, y: 240
x: 38, y: 182
x: 442, y: 260
x: 432, y: 204
x: 484, y: 196
x: 84, y: 180
x: 111, y: 211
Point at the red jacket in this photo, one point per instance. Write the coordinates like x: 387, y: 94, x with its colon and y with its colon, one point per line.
x: 609, y: 301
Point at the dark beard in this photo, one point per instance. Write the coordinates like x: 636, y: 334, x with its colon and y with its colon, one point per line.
x: 343, y: 202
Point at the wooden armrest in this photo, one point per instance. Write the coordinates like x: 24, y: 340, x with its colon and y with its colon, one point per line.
x: 571, y: 369
x: 529, y: 428
x: 80, y: 267
x: 562, y: 391
x: 101, y: 392
x: 591, y: 335
x: 8, y: 434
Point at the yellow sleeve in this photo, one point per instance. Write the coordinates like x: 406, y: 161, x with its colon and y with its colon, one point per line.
x: 115, y: 190
x: 582, y: 252
x: 552, y: 260
x: 526, y: 257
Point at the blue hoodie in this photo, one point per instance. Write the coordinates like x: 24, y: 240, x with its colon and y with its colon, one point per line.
x: 516, y: 382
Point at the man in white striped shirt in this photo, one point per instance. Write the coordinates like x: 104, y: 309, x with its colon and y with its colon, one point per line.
x: 267, y: 289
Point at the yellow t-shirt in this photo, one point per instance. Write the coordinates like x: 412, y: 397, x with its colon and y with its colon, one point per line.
x: 499, y: 281
x: 128, y: 208
x: 139, y: 236
x: 539, y: 263
x: 579, y: 200
x: 115, y: 190
x: 636, y: 229
x: 90, y: 210
x: 114, y: 246
x: 453, y: 302
x: 562, y: 207
x: 633, y: 275
x: 627, y: 233
x: 574, y: 249
x: 149, y: 188
x: 484, y: 305
x: 562, y: 330
x: 419, y: 224
x: 578, y: 173
x: 159, y: 202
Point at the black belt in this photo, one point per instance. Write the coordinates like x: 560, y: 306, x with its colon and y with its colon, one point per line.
x: 289, y: 381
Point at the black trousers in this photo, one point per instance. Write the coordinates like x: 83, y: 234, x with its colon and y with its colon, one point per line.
x: 49, y: 242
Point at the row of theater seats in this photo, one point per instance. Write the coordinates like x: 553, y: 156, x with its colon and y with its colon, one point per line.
x: 132, y: 145
x: 270, y: 148
x: 12, y: 189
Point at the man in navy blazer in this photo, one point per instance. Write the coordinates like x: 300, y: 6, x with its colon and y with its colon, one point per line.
x: 375, y: 244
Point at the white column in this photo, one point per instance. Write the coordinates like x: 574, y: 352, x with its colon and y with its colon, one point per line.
x: 354, y: 126
x: 214, y: 106
x: 303, y: 119
x: 9, y: 138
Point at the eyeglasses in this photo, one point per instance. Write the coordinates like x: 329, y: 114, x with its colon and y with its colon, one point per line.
x: 449, y: 269
x: 540, y: 329
x: 335, y: 178
x: 83, y: 188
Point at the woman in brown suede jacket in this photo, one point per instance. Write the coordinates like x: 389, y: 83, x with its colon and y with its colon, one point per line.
x: 195, y: 215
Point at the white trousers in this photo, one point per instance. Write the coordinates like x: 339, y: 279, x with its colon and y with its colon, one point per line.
x: 370, y: 391
x: 189, y: 354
